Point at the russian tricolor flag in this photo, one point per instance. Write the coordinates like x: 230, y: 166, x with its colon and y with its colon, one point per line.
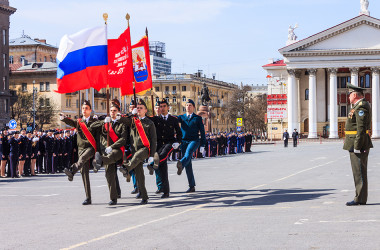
x: 82, y: 60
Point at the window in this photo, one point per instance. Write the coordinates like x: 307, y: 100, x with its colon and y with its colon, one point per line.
x: 77, y: 103
x: 184, y: 98
x: 306, y: 94
x: 367, y: 81
x: 343, y: 111
x: 5, y: 60
x: 166, y: 88
x: 96, y: 104
x: 167, y: 99
x: 45, y: 59
x: 174, y: 99
x: 22, y: 58
x: 24, y: 87
x: 47, y: 87
x: 183, y: 88
x: 157, y: 99
x: 11, y: 59
x: 6, y: 106
x: 41, y: 102
x: 184, y: 109
x: 4, y: 37
x: 47, y: 102
x: 157, y: 89
x: 67, y: 103
x: 42, y: 87
x: 4, y: 82
x: 174, y: 88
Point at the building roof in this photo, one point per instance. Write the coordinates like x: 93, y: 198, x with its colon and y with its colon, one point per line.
x: 37, y: 67
x: 278, y: 63
x: 14, y: 66
x: 26, y: 40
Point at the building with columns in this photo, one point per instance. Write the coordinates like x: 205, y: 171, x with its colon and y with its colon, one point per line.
x: 316, y: 71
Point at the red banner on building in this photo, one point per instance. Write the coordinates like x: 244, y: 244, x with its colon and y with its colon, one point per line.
x: 277, y: 99
x: 120, y: 72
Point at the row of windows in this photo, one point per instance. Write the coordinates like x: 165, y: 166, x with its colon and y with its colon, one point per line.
x: 364, y: 81
x: 44, y: 86
x: 167, y: 88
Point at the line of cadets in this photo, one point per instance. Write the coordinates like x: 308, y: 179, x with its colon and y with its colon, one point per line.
x: 27, y: 153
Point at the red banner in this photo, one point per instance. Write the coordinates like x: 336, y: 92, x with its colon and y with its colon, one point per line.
x: 141, y: 66
x: 120, y: 73
x: 113, y: 135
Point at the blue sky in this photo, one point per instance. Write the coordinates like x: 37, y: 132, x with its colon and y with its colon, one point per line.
x: 230, y: 38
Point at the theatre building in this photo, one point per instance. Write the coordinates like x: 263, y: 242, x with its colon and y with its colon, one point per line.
x: 314, y: 73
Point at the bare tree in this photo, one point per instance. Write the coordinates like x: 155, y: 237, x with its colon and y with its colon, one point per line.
x: 22, y: 108
x: 46, y: 112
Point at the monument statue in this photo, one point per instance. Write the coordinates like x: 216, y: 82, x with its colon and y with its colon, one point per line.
x: 364, y: 7
x: 291, y: 35
x: 205, y: 97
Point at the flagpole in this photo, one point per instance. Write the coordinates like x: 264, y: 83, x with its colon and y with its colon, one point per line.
x: 151, y: 90
x: 105, y: 17
x: 133, y: 82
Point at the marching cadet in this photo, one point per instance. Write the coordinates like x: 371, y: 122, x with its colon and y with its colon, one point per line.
x: 166, y: 127
x: 14, y: 144
x: 157, y: 110
x: 128, y: 153
x: 358, y: 142
x: 143, y: 145
x: 5, y: 147
x: 86, y: 148
x: 112, y: 151
x: 191, y: 126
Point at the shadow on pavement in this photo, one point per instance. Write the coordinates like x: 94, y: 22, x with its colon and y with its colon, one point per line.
x: 226, y: 198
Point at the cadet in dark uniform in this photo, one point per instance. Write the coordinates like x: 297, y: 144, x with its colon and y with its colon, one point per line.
x: 248, y: 141
x: 358, y: 142
x: 56, y: 152
x: 4, y: 152
x: 41, y: 153
x: 34, y: 156
x: 111, y: 151
x: 48, y: 148
x: 14, y: 153
x: 22, y: 152
x: 27, y: 166
x: 86, y: 148
x: 166, y: 127
x: 295, y: 137
x: 285, y: 137
x: 143, y: 145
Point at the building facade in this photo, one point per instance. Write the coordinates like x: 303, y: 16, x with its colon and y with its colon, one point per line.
x: 160, y: 65
x: 316, y: 71
x: 7, y: 98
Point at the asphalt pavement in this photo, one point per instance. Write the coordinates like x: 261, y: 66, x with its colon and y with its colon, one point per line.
x: 272, y: 198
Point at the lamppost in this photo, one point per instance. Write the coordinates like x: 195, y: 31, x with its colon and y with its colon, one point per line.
x: 209, y: 117
x: 34, y: 105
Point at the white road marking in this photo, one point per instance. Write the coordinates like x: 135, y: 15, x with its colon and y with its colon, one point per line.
x: 318, y: 158
x: 102, y: 186
x: 133, y: 227
x: 348, y: 221
x: 28, y: 195
x: 301, y: 221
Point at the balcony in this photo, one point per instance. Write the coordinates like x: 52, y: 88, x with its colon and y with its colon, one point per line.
x: 100, y: 95
x: 166, y: 92
x: 72, y: 94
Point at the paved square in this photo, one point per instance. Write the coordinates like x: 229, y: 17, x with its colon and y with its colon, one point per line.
x: 273, y: 198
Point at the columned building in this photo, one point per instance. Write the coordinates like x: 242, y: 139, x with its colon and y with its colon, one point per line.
x: 317, y: 69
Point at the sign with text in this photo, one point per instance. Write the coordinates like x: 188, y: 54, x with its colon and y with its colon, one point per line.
x: 277, y: 113
x: 239, y: 121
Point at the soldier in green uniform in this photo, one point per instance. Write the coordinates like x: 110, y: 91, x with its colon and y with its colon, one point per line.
x: 143, y: 145
x: 111, y: 151
x: 86, y: 147
x: 358, y: 142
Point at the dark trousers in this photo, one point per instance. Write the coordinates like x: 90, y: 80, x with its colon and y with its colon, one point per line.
x: 48, y: 162
x: 294, y: 142
x: 55, y: 164
x: 286, y: 143
x: 83, y: 164
x: 66, y: 161
x: 40, y: 164
x: 111, y: 180
x: 359, y: 170
x: 13, y: 164
x: 136, y: 163
x: 164, y: 151
x: 27, y: 169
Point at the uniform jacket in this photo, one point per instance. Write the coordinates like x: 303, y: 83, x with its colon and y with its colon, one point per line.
x: 359, y: 121
x: 150, y: 131
x: 82, y: 141
x: 285, y: 135
x: 23, y: 144
x: 49, y: 144
x: 101, y: 134
x: 29, y: 147
x: 5, y: 146
x: 14, y: 146
x: 56, y: 146
x: 167, y: 129
x: 191, y: 128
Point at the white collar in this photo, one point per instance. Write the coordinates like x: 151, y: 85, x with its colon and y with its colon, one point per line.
x: 87, y: 119
x: 141, y: 118
x: 165, y: 116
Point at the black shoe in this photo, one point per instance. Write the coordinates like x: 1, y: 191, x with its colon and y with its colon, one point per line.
x: 354, y: 203
x: 97, y: 162
x: 191, y: 190
x: 119, y: 196
x: 158, y: 191
x: 135, y: 191
x: 156, y: 160
x: 165, y: 195
x: 138, y: 196
x: 144, y: 202
x: 112, y: 202
x: 86, y: 202
x: 150, y: 168
x: 179, y: 167
x: 69, y: 174
x: 123, y: 170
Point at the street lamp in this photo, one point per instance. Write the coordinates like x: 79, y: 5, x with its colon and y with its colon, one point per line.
x: 209, y: 112
x: 34, y: 105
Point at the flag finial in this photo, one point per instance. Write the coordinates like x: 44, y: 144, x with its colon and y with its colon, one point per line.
x: 128, y: 17
x: 105, y: 17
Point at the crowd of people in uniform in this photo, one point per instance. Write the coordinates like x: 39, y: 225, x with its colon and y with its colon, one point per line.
x: 119, y: 141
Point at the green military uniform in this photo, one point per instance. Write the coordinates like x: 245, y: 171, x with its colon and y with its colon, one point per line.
x: 85, y: 153
x: 358, y: 139
x: 139, y: 152
x: 116, y: 154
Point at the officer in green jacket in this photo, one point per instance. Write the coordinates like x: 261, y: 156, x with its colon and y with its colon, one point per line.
x: 143, y: 146
x: 358, y: 142
x: 111, y: 149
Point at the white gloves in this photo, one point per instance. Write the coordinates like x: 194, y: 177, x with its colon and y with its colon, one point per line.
x: 107, y: 120
x: 150, y: 160
x: 134, y: 111
x: 118, y: 116
x: 35, y: 139
x: 61, y: 117
x: 95, y: 116
x: 175, y: 145
x: 108, y: 150
x: 356, y: 151
x: 201, y: 149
